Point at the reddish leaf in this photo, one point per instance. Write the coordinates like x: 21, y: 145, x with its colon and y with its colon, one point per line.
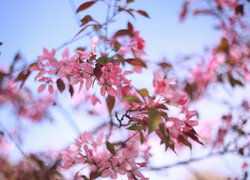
x: 15, y: 60
x: 164, y: 115
x: 130, y: 1
x: 85, y: 6
x: 239, y: 9
x: 143, y: 13
x: 184, y: 10
x: 165, y: 65
x: 224, y: 45
x: 191, y: 89
x: 135, y: 62
x: 141, y: 137
x: 97, y: 71
x: 123, y: 32
x: 160, y: 106
x: 2, y: 75
x: 60, y: 85
x: 92, y: 58
x: 110, y: 103
x: 203, y: 11
x: 22, y: 76
x: 130, y: 27
x: 184, y: 141
x: 71, y: 90
x: 193, y: 136
x: 86, y: 20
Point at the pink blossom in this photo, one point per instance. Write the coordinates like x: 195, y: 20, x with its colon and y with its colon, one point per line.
x: 162, y: 84
x: 94, y: 43
x: 48, y: 56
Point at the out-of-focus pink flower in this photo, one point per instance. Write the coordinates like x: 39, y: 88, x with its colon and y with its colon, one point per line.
x: 162, y: 84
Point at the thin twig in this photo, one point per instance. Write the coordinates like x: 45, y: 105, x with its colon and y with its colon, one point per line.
x: 73, y: 7
x: 69, y: 119
x: 6, y: 131
x: 191, y: 160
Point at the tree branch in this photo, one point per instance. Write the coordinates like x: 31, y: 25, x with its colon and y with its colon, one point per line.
x: 152, y: 168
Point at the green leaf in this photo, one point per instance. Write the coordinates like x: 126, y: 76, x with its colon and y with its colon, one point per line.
x: 130, y: 12
x: 154, y: 119
x: 84, y: 177
x: 143, y: 92
x: 234, y: 82
x: 60, y: 85
x: 166, y: 137
x: 240, y: 132
x: 102, y: 60
x: 117, y: 46
x: 172, y: 145
x: 132, y: 99
x: 133, y: 127
x: 110, y: 147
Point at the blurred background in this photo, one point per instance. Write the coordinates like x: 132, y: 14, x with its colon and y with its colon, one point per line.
x: 27, y: 26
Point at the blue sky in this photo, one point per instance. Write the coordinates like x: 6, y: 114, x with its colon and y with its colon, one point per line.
x: 28, y: 26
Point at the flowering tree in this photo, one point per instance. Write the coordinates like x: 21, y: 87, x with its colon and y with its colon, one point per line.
x: 103, y: 75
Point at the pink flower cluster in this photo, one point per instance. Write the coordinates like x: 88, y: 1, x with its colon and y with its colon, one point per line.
x: 5, y: 146
x: 131, y: 44
x: 166, y: 95
x: 25, y: 105
x: 81, y: 68
x: 112, y: 75
x: 164, y: 87
x: 100, y: 159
